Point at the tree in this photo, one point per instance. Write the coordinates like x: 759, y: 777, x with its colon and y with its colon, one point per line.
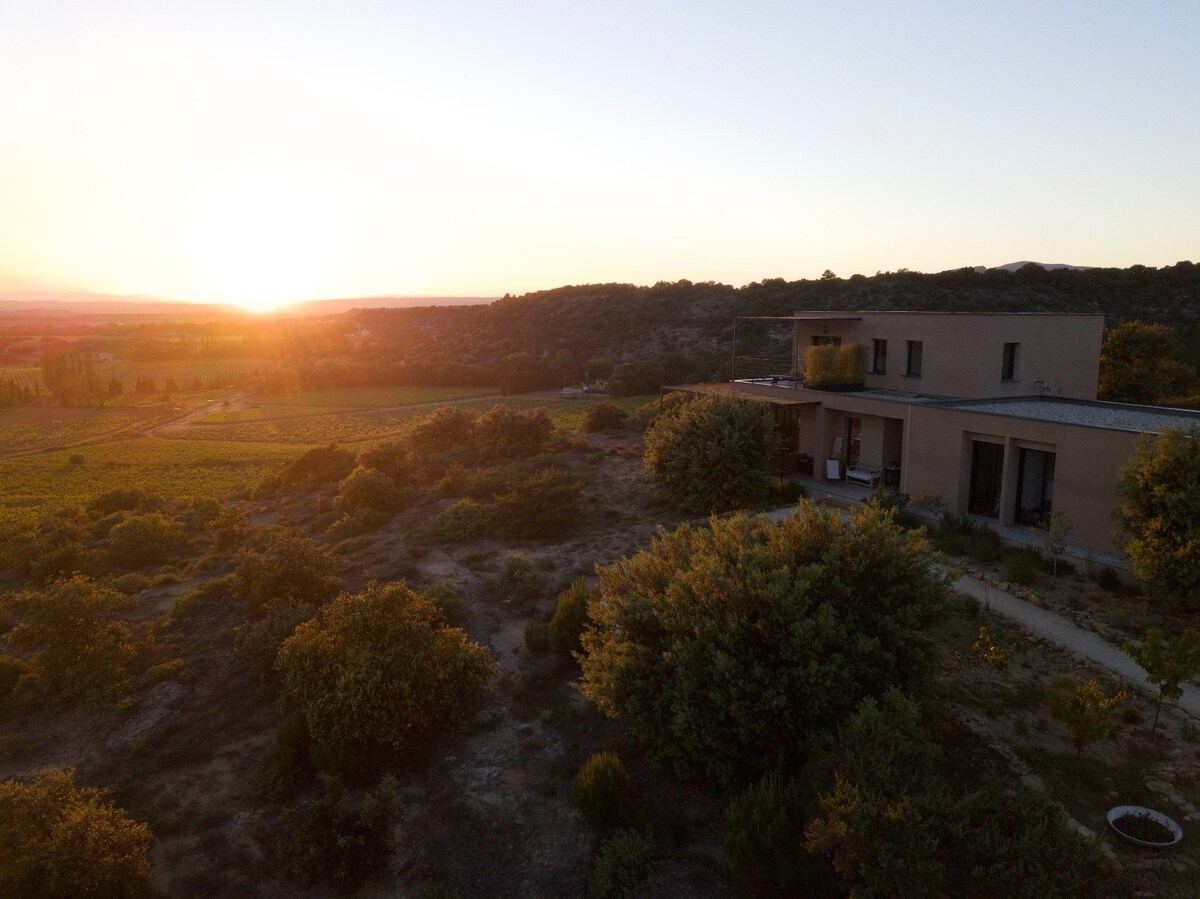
x: 291, y: 568
x: 603, y: 417
x: 1158, y: 507
x: 1168, y: 663
x: 1058, y: 531
x: 60, y: 841
x: 379, y: 671
x: 729, y: 649
x: 1083, y: 708
x: 711, y: 454
x: 78, y: 650
x: 145, y: 541
x: 1139, y: 364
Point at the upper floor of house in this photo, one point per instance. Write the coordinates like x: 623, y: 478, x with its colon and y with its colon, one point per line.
x: 963, y: 354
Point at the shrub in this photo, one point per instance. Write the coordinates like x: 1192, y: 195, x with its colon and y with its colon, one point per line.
x: 604, y: 416
x: 537, y: 636
x: 206, y: 597
x: 621, y: 865
x: 380, y: 670
x: 513, y: 433
x: 12, y: 670
x: 730, y: 649
x: 61, y: 841
x: 1108, y: 579
x: 332, y: 840
x: 667, y: 404
x: 544, y: 505
x: 711, y: 454
x: 145, y: 541
x: 118, y: 500
x: 601, y: 791
x: 1083, y: 708
x: 986, y: 545
x: 258, y: 641
x: 443, y: 429
x: 291, y: 568
x: 764, y: 833
x: 230, y: 529
x: 367, y: 488
x: 316, y: 467
x: 463, y: 520
x: 77, y: 648
x: 75, y: 459
x: 1021, y: 567
x: 390, y: 458
x: 570, y: 614
x: 446, y: 598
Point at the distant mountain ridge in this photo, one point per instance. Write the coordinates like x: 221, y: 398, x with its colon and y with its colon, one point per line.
x: 1048, y: 266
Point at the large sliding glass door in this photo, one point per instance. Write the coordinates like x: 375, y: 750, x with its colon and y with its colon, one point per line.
x: 1035, y: 494
x: 987, y: 471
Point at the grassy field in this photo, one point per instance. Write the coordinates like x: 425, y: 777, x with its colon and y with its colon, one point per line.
x: 373, y: 397
x: 219, y: 372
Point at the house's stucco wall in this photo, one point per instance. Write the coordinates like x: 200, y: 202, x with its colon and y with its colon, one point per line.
x: 962, y: 353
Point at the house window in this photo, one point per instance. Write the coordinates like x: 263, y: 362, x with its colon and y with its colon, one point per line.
x: 1008, y: 371
x: 913, y: 367
x: 823, y: 340
x: 878, y: 357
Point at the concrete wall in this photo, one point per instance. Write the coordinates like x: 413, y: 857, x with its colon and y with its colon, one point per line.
x: 963, y: 353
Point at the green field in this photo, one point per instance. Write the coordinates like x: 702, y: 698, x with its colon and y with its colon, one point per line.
x: 208, y: 460
x: 374, y: 397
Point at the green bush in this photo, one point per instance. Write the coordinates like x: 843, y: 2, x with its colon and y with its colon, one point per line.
x: 537, y: 636
x: 12, y: 670
x: 952, y: 544
x: 764, y: 835
x: 1021, y: 567
x: 463, y: 520
x: 986, y: 546
x: 380, y: 670
x: 145, y: 541
x: 667, y: 404
x: 505, y: 432
x: 621, y: 865
x: 118, y: 500
x: 368, y: 488
x: 208, y: 596
x: 544, y: 505
x: 570, y: 615
x: 604, y: 416
x: 392, y: 459
x: 443, y: 429
x: 333, y: 840
x: 712, y: 454
x: 231, y: 529
x: 729, y: 650
x: 291, y: 568
x: 61, y: 841
x: 74, y: 645
x: 446, y: 598
x: 1108, y: 579
x: 316, y: 467
x: 258, y: 641
x: 601, y: 792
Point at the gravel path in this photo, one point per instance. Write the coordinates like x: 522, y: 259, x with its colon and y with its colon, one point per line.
x: 1068, y: 635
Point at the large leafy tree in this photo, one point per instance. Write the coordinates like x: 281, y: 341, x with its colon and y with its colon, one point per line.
x: 711, y: 454
x: 379, y: 670
x: 729, y: 649
x: 58, y: 840
x: 1158, y: 507
x: 1139, y: 363
x: 76, y: 645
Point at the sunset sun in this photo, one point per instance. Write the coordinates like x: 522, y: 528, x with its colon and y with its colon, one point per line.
x: 264, y: 243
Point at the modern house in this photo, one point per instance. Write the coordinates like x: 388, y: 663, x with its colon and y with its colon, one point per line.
x: 994, y: 414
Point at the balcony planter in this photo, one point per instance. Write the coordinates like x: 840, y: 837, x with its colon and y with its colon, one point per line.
x: 1144, y: 827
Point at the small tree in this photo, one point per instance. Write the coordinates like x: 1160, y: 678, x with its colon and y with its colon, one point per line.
x: 729, y: 649
x: 711, y: 454
x: 77, y: 648
x: 1168, y: 663
x: 60, y: 841
x: 1083, y: 708
x: 1058, y: 531
x: 1158, y: 506
x: 993, y: 648
x: 380, y: 671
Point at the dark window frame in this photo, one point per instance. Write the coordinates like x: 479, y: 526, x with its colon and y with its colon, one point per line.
x: 879, y: 356
x: 914, y: 350
x: 1008, y: 363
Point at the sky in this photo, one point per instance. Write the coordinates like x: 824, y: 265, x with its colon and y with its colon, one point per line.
x: 260, y: 151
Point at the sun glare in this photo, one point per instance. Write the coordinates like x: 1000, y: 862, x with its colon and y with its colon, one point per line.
x: 264, y: 243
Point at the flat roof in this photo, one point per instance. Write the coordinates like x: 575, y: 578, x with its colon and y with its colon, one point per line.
x: 726, y: 389
x: 799, y: 318
x: 1085, y: 413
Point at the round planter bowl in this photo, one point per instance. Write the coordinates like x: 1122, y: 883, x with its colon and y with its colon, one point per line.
x: 1125, y: 811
